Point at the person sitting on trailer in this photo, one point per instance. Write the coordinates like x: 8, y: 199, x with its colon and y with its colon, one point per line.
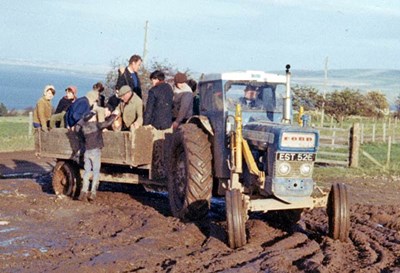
x: 57, y: 119
x: 131, y: 108
x: 80, y: 107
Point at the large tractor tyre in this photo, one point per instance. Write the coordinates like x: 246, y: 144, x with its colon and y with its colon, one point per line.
x: 190, y: 174
x: 338, y: 211
x: 236, y: 216
x: 66, y: 178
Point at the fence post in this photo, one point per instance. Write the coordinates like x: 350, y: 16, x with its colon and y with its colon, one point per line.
x: 354, y: 145
x: 389, y: 151
x: 30, y: 123
x: 362, y: 133
x: 384, y: 131
x: 394, y: 135
x: 373, y: 132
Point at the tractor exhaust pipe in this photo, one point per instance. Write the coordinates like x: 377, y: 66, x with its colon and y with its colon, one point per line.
x: 286, y: 118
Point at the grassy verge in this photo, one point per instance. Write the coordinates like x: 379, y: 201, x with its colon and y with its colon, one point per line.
x: 14, y: 134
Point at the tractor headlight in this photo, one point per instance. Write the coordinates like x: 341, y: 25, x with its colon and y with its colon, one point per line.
x: 284, y: 168
x: 305, y: 169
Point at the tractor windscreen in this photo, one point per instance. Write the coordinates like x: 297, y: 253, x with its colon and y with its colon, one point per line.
x: 254, y: 96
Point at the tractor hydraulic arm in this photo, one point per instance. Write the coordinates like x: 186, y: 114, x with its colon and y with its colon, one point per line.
x: 239, y: 149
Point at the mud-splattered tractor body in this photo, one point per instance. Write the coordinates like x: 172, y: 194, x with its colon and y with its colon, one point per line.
x: 250, y: 151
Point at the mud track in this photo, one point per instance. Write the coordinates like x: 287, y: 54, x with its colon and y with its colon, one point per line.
x: 129, y: 230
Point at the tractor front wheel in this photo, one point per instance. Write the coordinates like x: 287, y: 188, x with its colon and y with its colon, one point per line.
x: 236, y: 215
x: 338, y: 211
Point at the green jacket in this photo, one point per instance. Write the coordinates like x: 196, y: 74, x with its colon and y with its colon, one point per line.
x: 132, y: 111
x: 42, y: 112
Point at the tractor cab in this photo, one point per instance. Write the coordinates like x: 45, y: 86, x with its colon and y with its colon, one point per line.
x: 261, y: 95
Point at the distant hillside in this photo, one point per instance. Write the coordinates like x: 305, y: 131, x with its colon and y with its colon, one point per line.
x: 386, y: 81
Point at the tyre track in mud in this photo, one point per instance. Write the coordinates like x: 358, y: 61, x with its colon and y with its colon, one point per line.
x: 128, y: 230
x: 311, y: 250
x: 373, y: 245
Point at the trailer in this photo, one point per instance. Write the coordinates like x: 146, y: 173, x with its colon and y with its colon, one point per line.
x: 134, y: 157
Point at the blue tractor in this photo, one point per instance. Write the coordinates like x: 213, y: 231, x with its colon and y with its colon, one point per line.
x: 245, y: 146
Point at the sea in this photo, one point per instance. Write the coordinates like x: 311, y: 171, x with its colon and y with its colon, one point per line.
x: 22, y: 86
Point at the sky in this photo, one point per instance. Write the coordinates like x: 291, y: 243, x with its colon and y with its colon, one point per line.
x: 204, y: 35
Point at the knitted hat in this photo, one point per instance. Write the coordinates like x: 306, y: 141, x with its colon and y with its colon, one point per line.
x: 180, y: 78
x: 92, y: 96
x: 73, y: 89
x: 47, y: 87
x: 123, y: 90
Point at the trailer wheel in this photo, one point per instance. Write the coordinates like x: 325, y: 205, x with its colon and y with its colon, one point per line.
x: 235, y: 218
x: 65, y: 178
x: 190, y: 174
x: 338, y: 212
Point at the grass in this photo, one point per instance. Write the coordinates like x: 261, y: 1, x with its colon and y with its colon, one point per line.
x: 14, y: 134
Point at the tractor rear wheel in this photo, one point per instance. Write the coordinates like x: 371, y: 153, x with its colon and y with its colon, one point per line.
x: 65, y: 178
x: 235, y: 218
x: 338, y: 211
x: 190, y: 175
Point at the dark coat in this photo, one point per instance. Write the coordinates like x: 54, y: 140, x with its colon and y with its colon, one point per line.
x: 76, y: 111
x: 63, y: 105
x: 159, y: 107
x: 102, y: 100
x: 113, y: 102
x: 91, y: 132
x: 126, y: 79
x: 196, y: 105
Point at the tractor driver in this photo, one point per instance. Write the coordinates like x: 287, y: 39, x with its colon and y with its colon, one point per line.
x: 250, y: 99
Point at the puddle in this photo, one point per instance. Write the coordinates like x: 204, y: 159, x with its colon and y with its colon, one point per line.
x: 19, y: 175
x: 10, y: 241
x: 43, y: 249
x: 8, y: 229
x: 5, y: 192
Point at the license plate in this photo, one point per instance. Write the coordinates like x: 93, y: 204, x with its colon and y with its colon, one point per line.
x: 295, y: 156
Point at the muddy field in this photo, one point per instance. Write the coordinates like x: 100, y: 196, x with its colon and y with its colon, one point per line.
x: 129, y: 230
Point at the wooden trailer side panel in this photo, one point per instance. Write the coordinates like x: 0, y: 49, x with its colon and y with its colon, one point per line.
x: 142, y: 147
x: 117, y: 148
x: 57, y: 143
x: 61, y: 143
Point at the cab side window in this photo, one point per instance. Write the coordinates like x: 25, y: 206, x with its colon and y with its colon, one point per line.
x: 211, y: 96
